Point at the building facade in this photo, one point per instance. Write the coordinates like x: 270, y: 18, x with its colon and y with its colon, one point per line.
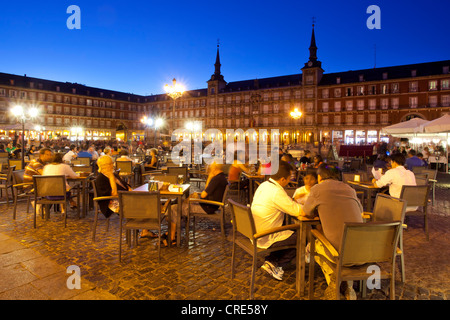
x: 345, y: 107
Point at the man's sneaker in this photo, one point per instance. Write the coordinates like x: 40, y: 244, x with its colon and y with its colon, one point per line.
x: 276, y: 272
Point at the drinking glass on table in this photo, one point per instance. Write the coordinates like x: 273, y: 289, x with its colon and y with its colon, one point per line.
x: 180, y: 179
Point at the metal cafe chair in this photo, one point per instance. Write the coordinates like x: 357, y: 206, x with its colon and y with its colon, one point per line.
x: 417, y: 196
x: 50, y: 186
x: 432, y: 179
x: 389, y: 209
x: 96, y: 201
x: 218, y: 215
x: 125, y: 169
x: 245, y: 237
x: 6, y: 183
x: 16, y: 163
x: 179, y: 171
x: 362, y: 245
x: 84, y: 160
x: 140, y: 210
x: 21, y: 190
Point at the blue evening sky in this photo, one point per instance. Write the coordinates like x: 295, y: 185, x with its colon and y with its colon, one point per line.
x: 138, y: 46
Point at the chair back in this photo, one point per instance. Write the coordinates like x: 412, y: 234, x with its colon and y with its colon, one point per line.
x: 125, y: 167
x: 421, y: 179
x: 418, y: 169
x: 225, y: 193
x: 369, y: 242
x: 178, y: 171
x: 388, y: 208
x: 171, y: 178
x: 242, y: 219
x: 75, y: 162
x: 4, y: 156
x: 9, y: 175
x: 49, y: 186
x: 140, y: 205
x: 355, y: 164
x: 18, y: 176
x: 432, y: 174
x: 16, y: 163
x: 415, y: 195
x: 84, y: 160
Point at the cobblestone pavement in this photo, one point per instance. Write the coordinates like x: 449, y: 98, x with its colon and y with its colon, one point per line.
x: 201, y: 270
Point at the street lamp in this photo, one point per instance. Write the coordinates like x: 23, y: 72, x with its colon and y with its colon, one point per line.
x: 296, y: 114
x: 23, y: 116
x: 157, y: 123
x: 174, y: 91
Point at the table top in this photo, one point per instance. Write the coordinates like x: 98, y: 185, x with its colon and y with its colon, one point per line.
x: 306, y: 219
x: 366, y: 185
x: 253, y: 176
x: 144, y: 187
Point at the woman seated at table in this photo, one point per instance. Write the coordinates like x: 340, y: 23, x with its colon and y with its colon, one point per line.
x: 108, y: 184
x: 152, y: 161
x: 57, y: 167
x: 214, y: 190
x: 124, y: 156
x: 234, y: 173
x: 317, y: 161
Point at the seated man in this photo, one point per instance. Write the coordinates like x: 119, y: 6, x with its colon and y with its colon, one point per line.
x: 413, y: 160
x: 270, y: 203
x: 336, y: 203
x: 396, y: 177
x: 215, y: 186
x: 36, y: 166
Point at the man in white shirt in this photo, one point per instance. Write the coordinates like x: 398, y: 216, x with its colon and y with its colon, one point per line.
x: 270, y: 203
x: 71, y: 154
x: 396, y: 177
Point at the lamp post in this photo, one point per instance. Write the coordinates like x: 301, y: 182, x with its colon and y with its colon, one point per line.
x: 296, y: 114
x: 22, y: 116
x: 174, y: 91
x: 157, y: 123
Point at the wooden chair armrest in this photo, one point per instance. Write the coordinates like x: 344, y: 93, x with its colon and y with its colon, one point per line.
x: 22, y: 184
x: 319, y: 236
x: 292, y: 227
x: 166, y: 206
x: 105, y: 198
x: 197, y: 200
x: 404, y: 226
x: 367, y: 215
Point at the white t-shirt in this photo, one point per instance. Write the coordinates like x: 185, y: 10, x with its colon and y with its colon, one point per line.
x: 69, y: 156
x: 269, y: 205
x: 60, y: 169
x: 301, y: 190
x: 396, y: 178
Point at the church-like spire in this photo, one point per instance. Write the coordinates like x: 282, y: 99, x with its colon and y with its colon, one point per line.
x: 216, y: 75
x: 313, y: 47
x: 217, y: 64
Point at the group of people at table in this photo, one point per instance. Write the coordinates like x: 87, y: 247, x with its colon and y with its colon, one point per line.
x: 322, y: 194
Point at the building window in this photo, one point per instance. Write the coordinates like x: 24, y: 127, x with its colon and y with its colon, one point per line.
x: 433, y: 101
x: 349, y: 105
x: 337, y: 93
x: 360, y: 90
x: 384, y: 89
x: 372, y: 118
x: 385, y: 75
x: 325, y: 93
x: 337, y: 119
x: 338, y: 80
x: 372, y: 89
x: 337, y: 106
x: 384, y: 104
x: 413, y: 73
x: 325, y: 106
x: 325, y: 120
x: 360, y: 119
x: 395, y: 88
x: 360, y: 105
x: 349, y: 119
x: 349, y: 92
x: 413, y: 102
x: 445, y: 84
x: 445, y: 100
x: 413, y: 86
x: 432, y: 85
x: 394, y: 103
x: 372, y: 104
x: 384, y: 118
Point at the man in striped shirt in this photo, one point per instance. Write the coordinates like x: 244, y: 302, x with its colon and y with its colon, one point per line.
x: 37, y: 165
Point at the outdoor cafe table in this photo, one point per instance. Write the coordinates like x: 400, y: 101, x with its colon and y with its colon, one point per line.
x: 251, y: 178
x: 369, y: 191
x: 166, y: 194
x: 83, y: 181
x: 305, y: 227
